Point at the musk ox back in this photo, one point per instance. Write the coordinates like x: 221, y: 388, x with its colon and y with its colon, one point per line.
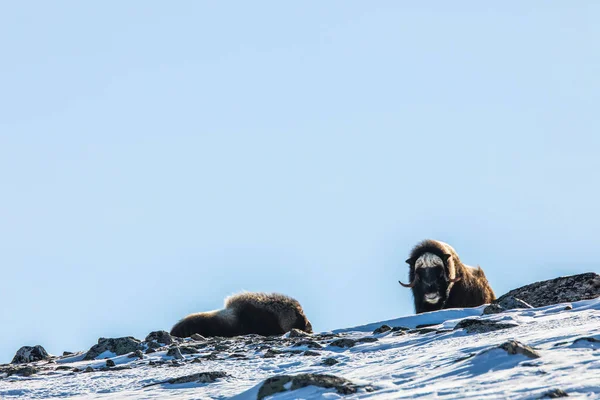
x: 245, y: 313
x: 439, y: 279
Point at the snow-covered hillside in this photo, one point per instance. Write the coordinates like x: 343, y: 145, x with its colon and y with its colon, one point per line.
x: 447, y: 360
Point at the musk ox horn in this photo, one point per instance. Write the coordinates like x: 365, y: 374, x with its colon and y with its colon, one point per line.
x: 410, y: 285
x: 453, y: 280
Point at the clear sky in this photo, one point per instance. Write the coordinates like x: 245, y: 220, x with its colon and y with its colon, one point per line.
x: 156, y: 157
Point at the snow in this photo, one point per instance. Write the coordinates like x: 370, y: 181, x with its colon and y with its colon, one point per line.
x: 447, y: 364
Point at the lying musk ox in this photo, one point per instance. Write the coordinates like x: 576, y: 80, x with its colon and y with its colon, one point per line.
x: 245, y: 313
x: 439, y: 279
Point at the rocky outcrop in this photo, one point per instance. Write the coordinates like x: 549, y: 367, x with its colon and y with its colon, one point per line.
x: 482, y: 325
x: 282, y: 383
x: 161, y: 337
x: 565, y: 289
x: 515, y: 347
x: 118, y: 346
x: 201, y: 377
x: 28, y: 354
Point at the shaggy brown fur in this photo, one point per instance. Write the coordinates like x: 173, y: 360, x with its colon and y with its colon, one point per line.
x: 245, y: 313
x: 458, y: 285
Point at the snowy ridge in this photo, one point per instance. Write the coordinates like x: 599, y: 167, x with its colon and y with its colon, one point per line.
x: 436, y: 362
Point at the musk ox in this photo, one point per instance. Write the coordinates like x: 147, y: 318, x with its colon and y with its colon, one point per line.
x: 245, y: 313
x: 439, y: 279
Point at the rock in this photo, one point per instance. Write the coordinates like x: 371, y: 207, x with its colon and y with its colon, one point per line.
x: 118, y: 346
x: 282, y: 383
x: 367, y: 340
x: 162, y: 337
x: 514, y: 347
x: 343, y: 343
x: 110, y: 363
x: 28, y: 354
x: 67, y: 353
x: 567, y: 308
x: 505, y: 303
x: 26, y: 370
x: 89, y: 369
x: 382, y: 329
x: 272, y: 353
x: 200, y: 377
x: 136, y: 354
x: 311, y: 344
x: 311, y: 353
x: 197, y: 337
x: 150, y: 351
x: 566, y: 289
x: 329, y: 361
x: 482, y: 325
x: 554, y: 394
x: 295, y: 333
x: 175, y: 353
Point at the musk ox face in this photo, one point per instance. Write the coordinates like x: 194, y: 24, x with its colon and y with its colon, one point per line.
x: 429, y: 279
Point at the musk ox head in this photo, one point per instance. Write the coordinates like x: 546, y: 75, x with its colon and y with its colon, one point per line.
x: 430, y: 278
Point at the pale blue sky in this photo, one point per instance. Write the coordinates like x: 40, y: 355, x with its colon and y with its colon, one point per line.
x: 158, y: 156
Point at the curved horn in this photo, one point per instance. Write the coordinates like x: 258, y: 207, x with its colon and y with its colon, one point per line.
x: 454, y: 280
x: 410, y: 285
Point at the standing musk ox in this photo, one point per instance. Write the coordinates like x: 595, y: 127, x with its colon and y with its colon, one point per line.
x: 439, y: 279
x: 245, y: 313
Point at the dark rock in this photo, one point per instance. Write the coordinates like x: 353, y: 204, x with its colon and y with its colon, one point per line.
x: 196, y: 360
x: 28, y: 354
x: 26, y: 370
x: 272, y: 353
x: 63, y: 368
x: 197, y: 337
x: 400, y: 329
x: 482, y: 325
x: 67, y: 353
x: 188, y: 350
x: 567, y: 308
x: 118, y: 346
x: 200, y: 377
x: 278, y: 384
x: 150, y: 351
x: 505, y: 303
x: 330, y: 361
x: 110, y: 363
x: 311, y: 344
x: 162, y: 337
x: 154, y: 345
x: 554, y: 394
x: 514, y: 347
x: 566, y: 289
x: 221, y: 347
x: 136, y: 354
x: 382, y: 329
x: 343, y: 343
x: 367, y: 340
x: 175, y: 352
x: 311, y: 353
x: 89, y: 369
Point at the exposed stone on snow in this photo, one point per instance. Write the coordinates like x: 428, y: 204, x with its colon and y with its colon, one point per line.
x: 565, y: 289
x: 482, y: 325
x: 382, y: 329
x: 514, y: 347
x: 118, y: 346
x: 201, y: 377
x: 329, y: 361
x: 28, y: 354
x: 197, y: 337
x: 343, y: 343
x: 26, y: 370
x: 161, y: 337
x: 282, y: 383
x: 110, y: 363
x: 505, y: 303
x: 175, y: 352
x: 554, y: 394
